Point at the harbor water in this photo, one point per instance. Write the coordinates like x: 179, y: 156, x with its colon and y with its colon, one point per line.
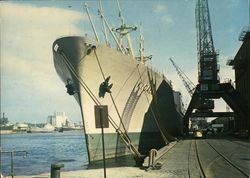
x: 44, y: 149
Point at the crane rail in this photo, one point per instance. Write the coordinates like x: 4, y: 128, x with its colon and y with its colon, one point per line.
x: 219, y: 154
x: 199, y: 161
x: 237, y: 143
x: 226, y: 159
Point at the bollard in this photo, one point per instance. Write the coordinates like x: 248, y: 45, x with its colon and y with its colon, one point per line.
x: 55, y: 170
x: 152, y: 155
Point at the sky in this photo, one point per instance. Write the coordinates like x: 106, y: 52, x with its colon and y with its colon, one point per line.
x: 30, y: 87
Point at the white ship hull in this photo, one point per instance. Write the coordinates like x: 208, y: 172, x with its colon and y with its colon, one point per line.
x: 140, y: 97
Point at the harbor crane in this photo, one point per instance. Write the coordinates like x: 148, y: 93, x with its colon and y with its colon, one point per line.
x: 209, y: 86
x: 189, y: 85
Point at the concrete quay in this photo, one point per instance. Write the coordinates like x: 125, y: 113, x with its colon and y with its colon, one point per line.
x: 211, y: 157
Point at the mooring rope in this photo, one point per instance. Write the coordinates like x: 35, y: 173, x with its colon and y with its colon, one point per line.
x: 119, y: 116
x: 124, y: 136
x: 126, y: 81
x: 154, y: 94
x: 111, y: 96
x: 151, y: 109
x: 83, y: 84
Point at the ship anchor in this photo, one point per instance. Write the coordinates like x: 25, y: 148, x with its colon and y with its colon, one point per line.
x: 105, y: 87
x: 71, y: 90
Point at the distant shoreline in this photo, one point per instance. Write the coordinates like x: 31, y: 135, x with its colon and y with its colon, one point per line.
x: 8, y: 132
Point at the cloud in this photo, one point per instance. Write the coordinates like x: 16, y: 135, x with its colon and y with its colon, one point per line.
x: 231, y: 30
x: 164, y: 15
x: 159, y: 9
x: 27, y: 37
x: 166, y: 19
x: 36, y: 28
x: 27, y: 70
x: 232, y: 3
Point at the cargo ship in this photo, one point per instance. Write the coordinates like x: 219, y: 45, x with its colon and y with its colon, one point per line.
x: 5, y: 126
x: 144, y: 111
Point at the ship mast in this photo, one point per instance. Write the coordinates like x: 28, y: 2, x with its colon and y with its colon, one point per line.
x: 91, y: 22
x: 124, y: 30
x: 141, y: 50
x: 141, y: 56
x: 103, y: 24
x: 111, y: 32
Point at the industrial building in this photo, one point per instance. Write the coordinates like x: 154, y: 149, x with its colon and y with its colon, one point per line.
x: 241, y: 65
x: 59, y: 119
